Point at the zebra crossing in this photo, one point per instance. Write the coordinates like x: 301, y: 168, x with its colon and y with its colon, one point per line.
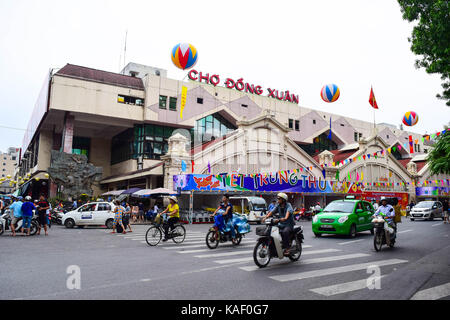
x: 241, y: 257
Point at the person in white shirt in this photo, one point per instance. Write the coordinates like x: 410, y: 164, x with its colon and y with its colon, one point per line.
x: 317, y: 208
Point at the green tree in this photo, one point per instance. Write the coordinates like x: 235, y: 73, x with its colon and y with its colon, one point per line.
x: 431, y: 37
x: 439, y: 157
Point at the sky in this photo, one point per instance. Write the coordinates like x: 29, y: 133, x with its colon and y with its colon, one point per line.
x: 290, y: 45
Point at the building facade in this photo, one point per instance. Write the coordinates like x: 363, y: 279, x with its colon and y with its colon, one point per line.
x: 8, y: 164
x: 122, y: 122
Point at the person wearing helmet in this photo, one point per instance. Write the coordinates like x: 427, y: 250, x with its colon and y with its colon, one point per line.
x: 387, y: 212
x: 173, y: 211
x: 285, y: 214
x: 27, y: 214
x: 226, y: 209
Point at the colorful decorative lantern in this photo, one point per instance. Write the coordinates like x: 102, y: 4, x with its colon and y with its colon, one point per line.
x: 330, y: 93
x: 410, y: 118
x: 184, y: 55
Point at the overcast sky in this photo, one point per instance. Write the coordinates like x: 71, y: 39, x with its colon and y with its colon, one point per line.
x: 293, y: 45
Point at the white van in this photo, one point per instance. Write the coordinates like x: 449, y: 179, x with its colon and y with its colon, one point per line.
x: 254, y: 207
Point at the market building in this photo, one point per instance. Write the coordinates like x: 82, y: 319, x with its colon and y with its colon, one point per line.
x: 8, y: 163
x: 132, y: 124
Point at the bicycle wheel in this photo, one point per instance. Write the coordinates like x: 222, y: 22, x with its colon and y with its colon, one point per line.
x: 153, y: 236
x: 178, y: 234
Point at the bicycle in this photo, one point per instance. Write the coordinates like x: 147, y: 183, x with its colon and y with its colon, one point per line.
x: 154, y: 234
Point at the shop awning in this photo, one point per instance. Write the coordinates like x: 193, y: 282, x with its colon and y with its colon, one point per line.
x: 153, y: 192
x: 113, y: 193
x: 131, y: 191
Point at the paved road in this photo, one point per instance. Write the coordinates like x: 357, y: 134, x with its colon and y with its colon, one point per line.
x: 125, y: 267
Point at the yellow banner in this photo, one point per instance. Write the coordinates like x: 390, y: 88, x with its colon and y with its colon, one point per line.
x: 183, y: 100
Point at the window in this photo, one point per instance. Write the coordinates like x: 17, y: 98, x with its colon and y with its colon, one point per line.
x: 342, y: 125
x: 355, y: 136
x: 297, y: 125
x: 387, y: 136
x: 14, y: 158
x: 314, y: 121
x: 81, y: 146
x: 425, y: 150
x: 130, y: 100
x: 360, y: 136
x: 200, y: 100
x: 103, y: 207
x: 173, y: 104
x: 162, y: 102
x: 291, y: 124
x: 418, y: 148
x: 244, y: 105
x: 211, y: 127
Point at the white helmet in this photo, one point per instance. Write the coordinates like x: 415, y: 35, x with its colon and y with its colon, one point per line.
x: 382, y: 198
x: 282, y: 196
x: 28, y: 198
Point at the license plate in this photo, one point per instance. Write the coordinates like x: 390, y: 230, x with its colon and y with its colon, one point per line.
x: 417, y: 215
x: 326, y: 226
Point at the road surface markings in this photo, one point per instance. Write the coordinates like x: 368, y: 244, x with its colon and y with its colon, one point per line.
x: 433, y: 293
x: 404, y: 231
x: 251, y: 258
x: 211, y: 250
x: 437, y: 224
x: 335, y: 270
x: 316, y: 260
x: 342, y: 287
x: 347, y: 242
x: 170, y: 246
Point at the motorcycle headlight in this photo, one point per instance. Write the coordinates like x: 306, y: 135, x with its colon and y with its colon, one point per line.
x: 343, y: 219
x: 315, y: 219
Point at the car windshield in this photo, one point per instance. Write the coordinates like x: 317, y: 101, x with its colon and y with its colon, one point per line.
x: 424, y: 204
x: 339, y: 206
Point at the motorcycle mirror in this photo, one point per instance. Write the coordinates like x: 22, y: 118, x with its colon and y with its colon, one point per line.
x: 392, y: 209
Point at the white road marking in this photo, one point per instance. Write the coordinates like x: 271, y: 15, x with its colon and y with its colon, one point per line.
x: 224, y: 254
x: 437, y: 224
x: 317, y: 260
x: 404, y: 231
x: 334, y: 270
x: 211, y: 250
x: 353, y: 241
x: 433, y: 293
x: 251, y: 258
x: 342, y: 287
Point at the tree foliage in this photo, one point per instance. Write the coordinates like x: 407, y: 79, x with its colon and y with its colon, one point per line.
x: 431, y: 37
x: 439, y: 157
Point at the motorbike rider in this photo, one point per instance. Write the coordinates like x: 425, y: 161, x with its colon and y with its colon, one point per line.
x: 317, y: 208
x: 286, y: 222
x: 16, y: 214
x: 385, y: 211
x: 227, y: 214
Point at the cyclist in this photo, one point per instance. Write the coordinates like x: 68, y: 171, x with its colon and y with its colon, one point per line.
x: 173, y: 211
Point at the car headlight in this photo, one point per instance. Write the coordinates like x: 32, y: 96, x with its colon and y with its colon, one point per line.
x: 315, y: 219
x: 343, y: 219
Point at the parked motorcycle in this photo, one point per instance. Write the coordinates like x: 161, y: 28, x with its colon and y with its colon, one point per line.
x: 218, y: 235
x: 7, y: 223
x: 56, y: 216
x: 383, y: 234
x: 269, y: 243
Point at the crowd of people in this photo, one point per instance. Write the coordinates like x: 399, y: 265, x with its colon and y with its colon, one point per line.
x: 24, y: 209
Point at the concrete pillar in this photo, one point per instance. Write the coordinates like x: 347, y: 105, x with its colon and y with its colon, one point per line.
x: 172, y: 160
x: 67, y: 136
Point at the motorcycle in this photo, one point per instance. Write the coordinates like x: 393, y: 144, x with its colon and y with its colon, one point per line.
x: 268, y: 245
x: 6, y: 224
x: 56, y: 216
x: 2, y: 224
x: 221, y: 234
x: 383, y: 234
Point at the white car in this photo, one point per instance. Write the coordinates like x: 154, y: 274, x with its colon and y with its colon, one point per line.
x: 427, y: 210
x: 90, y: 214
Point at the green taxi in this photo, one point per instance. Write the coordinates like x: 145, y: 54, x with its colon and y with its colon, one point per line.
x: 345, y: 217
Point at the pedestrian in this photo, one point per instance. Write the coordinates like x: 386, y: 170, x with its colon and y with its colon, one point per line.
x: 16, y: 214
x: 141, y: 212
x: 118, y: 210
x: 134, y: 213
x: 126, y: 217
x: 27, y: 215
x: 42, y: 208
x: 74, y: 204
x: 2, y: 206
x: 445, y: 208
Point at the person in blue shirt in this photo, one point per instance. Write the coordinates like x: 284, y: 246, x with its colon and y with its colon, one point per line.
x: 272, y: 205
x: 16, y: 214
x: 27, y: 214
x: 226, y: 209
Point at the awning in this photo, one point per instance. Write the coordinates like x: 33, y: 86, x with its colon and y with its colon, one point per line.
x: 131, y: 191
x: 153, y: 192
x: 154, y: 170
x: 113, y: 193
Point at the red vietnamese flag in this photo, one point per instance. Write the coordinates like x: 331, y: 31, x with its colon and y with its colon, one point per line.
x: 372, y: 100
